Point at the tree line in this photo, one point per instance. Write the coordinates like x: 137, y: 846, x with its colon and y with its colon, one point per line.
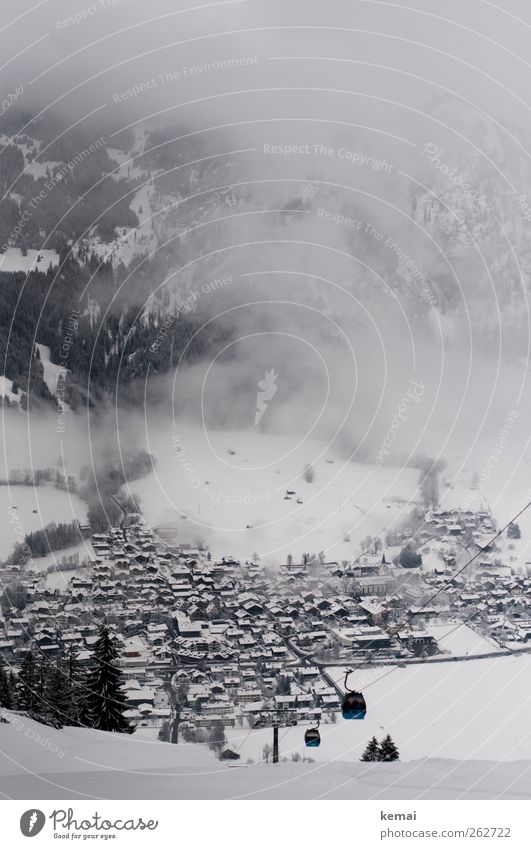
x: 52, y: 537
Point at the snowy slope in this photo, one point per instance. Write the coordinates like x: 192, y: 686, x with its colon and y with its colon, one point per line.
x: 37, y: 762
x: 459, y: 639
x: 52, y: 373
x: 14, y: 260
x: 32, y: 509
x: 6, y: 390
x: 220, y: 493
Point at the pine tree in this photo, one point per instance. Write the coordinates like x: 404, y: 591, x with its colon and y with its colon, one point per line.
x: 217, y: 737
x: 106, y: 702
x: 78, y: 688
x: 372, y: 751
x: 13, y: 686
x: 7, y: 697
x: 387, y: 750
x: 27, y: 697
x: 58, y: 697
x: 33, y: 689
x: 45, y: 694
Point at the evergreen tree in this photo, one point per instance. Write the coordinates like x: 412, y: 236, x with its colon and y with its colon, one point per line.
x: 7, y: 696
x: 283, y: 686
x: 216, y: 737
x: 33, y: 690
x: 13, y: 685
x: 408, y: 558
x: 106, y: 702
x: 372, y: 751
x: 78, y: 688
x: 58, y: 697
x: 46, y: 694
x: 27, y: 697
x: 387, y: 750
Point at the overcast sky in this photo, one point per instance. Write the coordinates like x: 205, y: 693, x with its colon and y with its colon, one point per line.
x: 385, y: 53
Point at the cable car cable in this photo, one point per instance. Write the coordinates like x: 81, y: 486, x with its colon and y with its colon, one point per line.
x: 238, y: 748
x: 395, y: 667
x: 448, y: 583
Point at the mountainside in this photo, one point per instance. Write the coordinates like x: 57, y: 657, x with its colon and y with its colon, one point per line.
x: 174, y: 229
x: 471, y: 200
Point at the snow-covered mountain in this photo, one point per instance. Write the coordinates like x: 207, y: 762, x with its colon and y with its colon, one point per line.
x: 208, y: 227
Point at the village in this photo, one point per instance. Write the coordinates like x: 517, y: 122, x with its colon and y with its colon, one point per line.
x: 207, y: 641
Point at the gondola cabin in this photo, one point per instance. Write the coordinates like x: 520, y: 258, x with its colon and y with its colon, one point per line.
x: 312, y: 738
x: 353, y: 706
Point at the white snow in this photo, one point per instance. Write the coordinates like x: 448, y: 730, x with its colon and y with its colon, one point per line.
x: 6, y: 389
x: 52, y: 373
x: 220, y: 493
x: 459, y: 639
x: 130, y: 241
x: 127, y: 165
x: 37, y: 762
x: 38, y: 169
x: 33, y: 508
x: 83, y: 550
x: 13, y: 260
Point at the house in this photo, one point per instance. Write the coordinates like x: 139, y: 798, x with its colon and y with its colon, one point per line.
x: 138, y: 696
x: 245, y: 696
x: 308, y: 673
x: 229, y: 755
x: 185, y: 627
x: 417, y: 641
x: 374, y: 610
x: 285, y: 702
x: 376, y: 585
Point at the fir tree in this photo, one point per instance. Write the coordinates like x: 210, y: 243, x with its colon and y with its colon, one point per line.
x: 106, y: 702
x: 46, y: 694
x: 513, y: 531
x: 7, y: 696
x: 387, y: 750
x: 217, y: 737
x: 78, y: 688
x: 33, y: 689
x: 13, y: 686
x: 372, y: 751
x: 58, y: 697
x: 27, y: 697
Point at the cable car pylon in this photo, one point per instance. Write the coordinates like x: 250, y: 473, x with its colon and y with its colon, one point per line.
x: 312, y: 737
